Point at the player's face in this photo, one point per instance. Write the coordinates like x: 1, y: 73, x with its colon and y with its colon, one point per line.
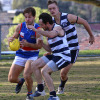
x: 53, y: 9
x: 29, y: 19
x: 42, y: 25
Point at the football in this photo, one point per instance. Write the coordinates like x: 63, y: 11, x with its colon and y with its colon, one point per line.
x: 15, y: 45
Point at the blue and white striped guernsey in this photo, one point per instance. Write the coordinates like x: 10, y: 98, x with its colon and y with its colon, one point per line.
x: 59, y: 46
x: 70, y: 30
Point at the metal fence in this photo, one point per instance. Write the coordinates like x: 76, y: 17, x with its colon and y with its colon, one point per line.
x: 4, y: 30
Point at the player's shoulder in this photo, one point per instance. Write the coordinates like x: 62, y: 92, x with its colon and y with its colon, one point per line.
x: 18, y: 27
x: 57, y: 27
x: 63, y: 13
x: 36, y: 25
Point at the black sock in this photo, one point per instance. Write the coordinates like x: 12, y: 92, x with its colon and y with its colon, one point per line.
x: 53, y: 93
x: 63, y: 83
x: 40, y: 87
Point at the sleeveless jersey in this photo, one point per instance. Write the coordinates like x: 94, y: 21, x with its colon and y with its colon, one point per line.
x: 59, y: 46
x: 30, y: 36
x: 70, y: 31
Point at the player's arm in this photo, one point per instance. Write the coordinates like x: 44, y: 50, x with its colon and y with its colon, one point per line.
x: 37, y: 45
x: 46, y: 47
x: 57, y: 31
x: 15, y: 35
x: 75, y: 19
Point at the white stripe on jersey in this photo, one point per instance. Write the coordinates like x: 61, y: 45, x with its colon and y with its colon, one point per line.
x: 71, y: 41
x: 59, y: 46
x: 70, y: 31
x: 69, y: 35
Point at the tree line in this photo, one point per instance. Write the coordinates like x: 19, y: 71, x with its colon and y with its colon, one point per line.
x: 88, y: 12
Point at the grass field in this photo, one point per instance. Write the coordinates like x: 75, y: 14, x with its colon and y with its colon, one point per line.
x: 83, y: 83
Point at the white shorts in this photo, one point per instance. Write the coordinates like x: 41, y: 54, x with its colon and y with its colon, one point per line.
x: 21, y: 61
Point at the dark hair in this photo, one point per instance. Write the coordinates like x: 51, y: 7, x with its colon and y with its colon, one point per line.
x: 30, y: 10
x: 46, y: 18
x: 51, y: 2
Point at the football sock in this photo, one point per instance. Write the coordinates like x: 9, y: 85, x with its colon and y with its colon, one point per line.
x: 40, y: 87
x: 63, y: 83
x: 29, y: 92
x: 53, y: 93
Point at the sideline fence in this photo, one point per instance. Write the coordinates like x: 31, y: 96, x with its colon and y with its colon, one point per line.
x: 4, y: 30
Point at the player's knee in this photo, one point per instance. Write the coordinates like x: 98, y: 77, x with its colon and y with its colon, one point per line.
x: 43, y: 71
x: 11, y: 79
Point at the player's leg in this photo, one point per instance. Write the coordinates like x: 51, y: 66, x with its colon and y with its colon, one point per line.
x: 64, y: 71
x: 63, y: 78
x: 28, y: 79
x: 48, y: 80
x: 54, y: 65
x: 36, y: 67
x: 15, y: 70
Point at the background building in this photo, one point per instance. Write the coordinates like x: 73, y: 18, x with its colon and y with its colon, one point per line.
x: 6, y: 4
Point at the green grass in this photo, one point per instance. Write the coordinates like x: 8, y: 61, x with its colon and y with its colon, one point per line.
x: 42, y: 51
x: 83, y: 83
x: 89, y: 52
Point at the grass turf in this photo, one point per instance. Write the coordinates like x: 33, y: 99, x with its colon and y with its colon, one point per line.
x: 83, y: 83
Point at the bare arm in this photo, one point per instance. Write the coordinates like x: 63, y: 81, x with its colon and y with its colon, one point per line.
x: 57, y: 31
x: 35, y: 46
x: 73, y: 19
x: 15, y: 35
x: 45, y: 46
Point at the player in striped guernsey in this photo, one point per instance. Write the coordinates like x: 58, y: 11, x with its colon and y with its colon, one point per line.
x: 68, y: 21
x: 60, y: 57
x: 28, y: 52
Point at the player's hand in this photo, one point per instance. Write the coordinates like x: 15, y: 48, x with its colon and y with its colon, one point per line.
x: 91, y: 40
x: 31, y: 27
x: 39, y: 41
x: 10, y: 39
x: 23, y: 43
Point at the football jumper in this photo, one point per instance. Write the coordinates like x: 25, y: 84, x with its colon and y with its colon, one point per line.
x: 60, y: 50
x: 70, y: 30
x: 30, y: 36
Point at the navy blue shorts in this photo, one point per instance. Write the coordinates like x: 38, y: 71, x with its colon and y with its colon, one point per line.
x: 74, y: 54
x: 55, y: 62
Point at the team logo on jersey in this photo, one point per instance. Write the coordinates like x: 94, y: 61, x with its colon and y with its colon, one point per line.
x: 22, y: 34
x: 64, y: 24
